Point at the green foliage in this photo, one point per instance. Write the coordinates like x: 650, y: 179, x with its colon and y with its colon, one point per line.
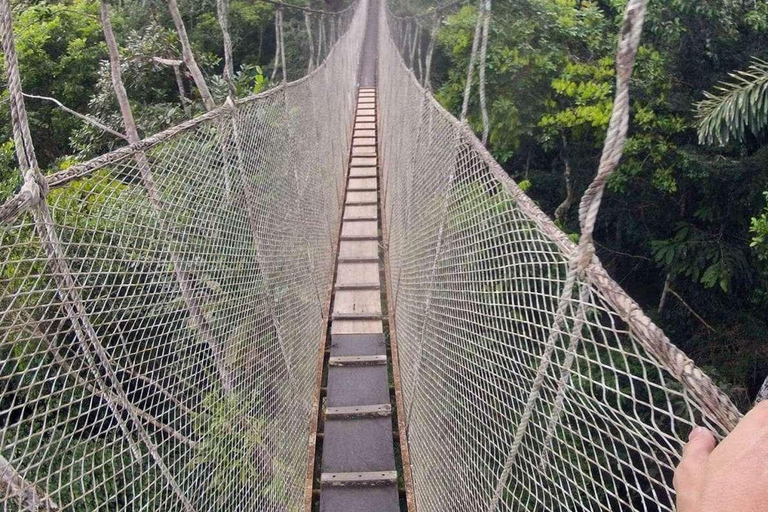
x: 231, y: 452
x: 739, y: 107
x: 672, y: 207
x: 759, y: 230
x: 700, y: 257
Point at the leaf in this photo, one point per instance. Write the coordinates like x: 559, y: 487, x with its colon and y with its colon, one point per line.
x: 737, y: 107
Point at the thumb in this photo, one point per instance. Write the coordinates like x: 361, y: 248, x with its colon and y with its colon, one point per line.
x: 690, y: 473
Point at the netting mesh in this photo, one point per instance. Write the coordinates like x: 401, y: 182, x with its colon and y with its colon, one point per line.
x: 173, y: 367
x: 502, y: 412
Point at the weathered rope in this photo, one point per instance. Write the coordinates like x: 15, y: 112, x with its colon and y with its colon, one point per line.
x: 437, y: 19
x: 629, y: 41
x: 189, y: 56
x: 481, y: 79
x: 279, y: 46
x: 472, y: 60
x: 308, y: 24
x: 282, y: 48
x: 222, y: 13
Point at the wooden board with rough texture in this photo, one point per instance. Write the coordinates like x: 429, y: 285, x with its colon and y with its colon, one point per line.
x: 363, y: 172
x: 361, y: 212
x: 362, y: 197
x: 357, y: 273
x: 357, y: 327
x: 362, y: 184
x: 359, y: 249
x: 360, y: 228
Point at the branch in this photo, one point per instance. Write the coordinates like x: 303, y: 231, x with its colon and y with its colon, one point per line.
x: 82, y: 117
x: 689, y: 308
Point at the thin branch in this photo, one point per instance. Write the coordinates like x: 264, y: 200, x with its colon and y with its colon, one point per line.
x: 689, y: 308
x: 82, y: 117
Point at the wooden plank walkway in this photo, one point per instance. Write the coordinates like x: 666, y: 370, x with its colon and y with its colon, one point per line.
x: 358, y: 462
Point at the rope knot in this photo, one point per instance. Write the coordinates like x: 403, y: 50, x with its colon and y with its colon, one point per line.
x: 229, y: 105
x: 36, y: 184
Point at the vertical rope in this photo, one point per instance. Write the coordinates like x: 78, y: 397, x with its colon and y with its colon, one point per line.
x: 437, y: 18
x: 472, y: 59
x: 277, y: 45
x: 629, y: 41
x: 66, y: 285
x: 321, y: 38
x: 222, y: 12
x: 308, y: 24
x: 189, y: 57
x: 184, y: 278
x: 481, y: 80
x: 282, y: 49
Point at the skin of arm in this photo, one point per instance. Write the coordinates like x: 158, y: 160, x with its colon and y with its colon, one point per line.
x: 728, y: 477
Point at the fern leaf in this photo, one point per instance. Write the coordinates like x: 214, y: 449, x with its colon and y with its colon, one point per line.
x: 736, y: 108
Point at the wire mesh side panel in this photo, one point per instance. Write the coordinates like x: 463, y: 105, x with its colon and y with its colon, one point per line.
x: 177, y: 373
x: 477, y: 273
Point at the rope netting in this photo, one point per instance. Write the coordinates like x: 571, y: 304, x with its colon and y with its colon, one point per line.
x: 162, y: 307
x: 530, y: 380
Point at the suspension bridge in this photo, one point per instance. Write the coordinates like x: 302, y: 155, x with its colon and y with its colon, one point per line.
x: 327, y: 296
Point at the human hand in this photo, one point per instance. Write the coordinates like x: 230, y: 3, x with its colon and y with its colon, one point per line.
x: 732, y: 477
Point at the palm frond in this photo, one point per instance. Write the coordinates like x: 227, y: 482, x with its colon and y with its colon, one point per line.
x: 735, y: 108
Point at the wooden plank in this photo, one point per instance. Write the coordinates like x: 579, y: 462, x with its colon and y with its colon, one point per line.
x: 357, y: 327
x: 366, y: 111
x: 362, y: 183
x: 358, y: 411
x: 363, y: 161
x: 359, y: 249
x: 365, y: 126
x: 365, y: 133
x: 350, y: 273
x: 361, y: 212
x: 358, y: 302
x: 358, y: 197
x: 363, y: 228
x: 366, y: 100
x: 363, y: 141
x: 359, y: 479
x: 365, y: 119
x: 345, y: 361
x: 363, y: 172
x: 364, y: 151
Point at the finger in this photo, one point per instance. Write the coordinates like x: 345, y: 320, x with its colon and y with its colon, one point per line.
x: 690, y: 473
x: 701, y: 442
